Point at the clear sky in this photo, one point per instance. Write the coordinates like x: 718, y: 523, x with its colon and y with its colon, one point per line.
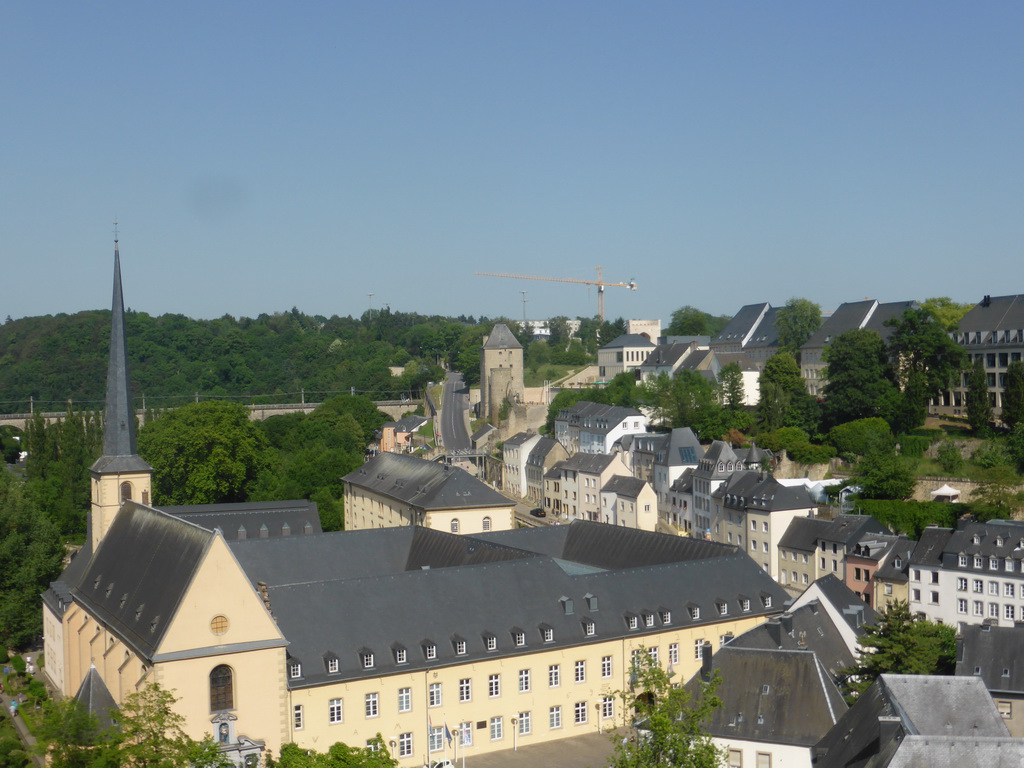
x: 265, y: 155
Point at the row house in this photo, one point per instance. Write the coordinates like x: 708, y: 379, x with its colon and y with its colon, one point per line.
x: 514, y: 453
x: 714, y: 468
x: 753, y: 327
x: 970, y: 575
x: 891, y: 580
x: 630, y: 502
x: 545, y: 453
x: 814, y: 547
x: 660, y: 458
x: 624, y: 353
x: 864, y: 561
x: 870, y: 315
x: 993, y: 334
x: 572, y: 488
x: 589, y: 427
x: 667, y: 359
x: 753, y: 510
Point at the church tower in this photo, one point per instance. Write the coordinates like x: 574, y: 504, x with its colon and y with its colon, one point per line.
x: 119, y: 474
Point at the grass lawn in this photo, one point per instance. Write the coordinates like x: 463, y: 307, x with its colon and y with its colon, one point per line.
x: 549, y: 373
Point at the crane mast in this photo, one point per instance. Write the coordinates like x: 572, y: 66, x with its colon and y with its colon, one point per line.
x: 600, y: 283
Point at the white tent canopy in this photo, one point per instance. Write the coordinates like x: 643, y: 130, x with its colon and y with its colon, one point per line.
x: 946, y: 492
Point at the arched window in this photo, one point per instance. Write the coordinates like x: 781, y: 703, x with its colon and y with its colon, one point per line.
x: 487, y: 523
x: 126, y: 491
x: 222, y: 689
x: 455, y: 525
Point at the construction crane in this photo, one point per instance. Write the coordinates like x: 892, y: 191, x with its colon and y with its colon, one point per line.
x: 601, y: 285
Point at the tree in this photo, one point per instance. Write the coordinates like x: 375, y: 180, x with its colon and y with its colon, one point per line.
x: 69, y: 736
x: 204, y: 453
x: 784, y: 400
x: 904, y: 645
x: 947, y: 312
x: 861, y: 437
x: 927, y: 361
x: 1013, y: 395
x: 338, y: 755
x: 979, y: 405
x: 690, y: 321
x: 669, y: 720
x: 796, y: 322
x: 882, y: 474
x: 858, y: 386
x: 730, y: 387
x: 949, y: 457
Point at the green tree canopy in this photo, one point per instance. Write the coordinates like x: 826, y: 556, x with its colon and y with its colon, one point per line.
x: 690, y: 321
x: 861, y: 437
x: 947, y: 312
x: 784, y: 400
x: 204, y: 453
x: 857, y: 369
x: 979, y: 405
x: 338, y: 755
x: 796, y: 322
x: 904, y: 645
x: 882, y: 474
x: 1013, y: 395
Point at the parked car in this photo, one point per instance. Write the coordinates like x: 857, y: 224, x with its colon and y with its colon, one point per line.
x: 538, y: 512
x: 442, y: 764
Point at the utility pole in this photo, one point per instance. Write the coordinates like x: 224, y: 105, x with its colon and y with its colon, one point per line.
x: 524, y: 309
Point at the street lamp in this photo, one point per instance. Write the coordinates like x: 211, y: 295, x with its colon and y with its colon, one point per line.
x: 515, y: 734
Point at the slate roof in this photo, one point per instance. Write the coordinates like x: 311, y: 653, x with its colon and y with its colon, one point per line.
x: 930, y: 547
x: 751, y: 489
x: 697, y: 359
x: 848, y: 316
x: 501, y: 338
x: 765, y: 334
x: 993, y: 654
x: 140, y: 573
x: 848, y: 529
x: 519, y: 438
x: 739, y: 358
x: 898, y: 709
x: 467, y: 587
x: 589, y: 463
x: 901, y: 552
x: 807, y: 628
x: 249, y: 519
x: 683, y: 448
x: 119, y: 449
x: 804, y: 533
x: 994, y: 313
x: 629, y: 340
x: 423, y: 483
x: 621, y: 485
x: 742, y: 324
x: 854, y: 611
x: 774, y: 696
x: 665, y: 355
x: 874, y: 547
x: 95, y: 695
x: 540, y: 451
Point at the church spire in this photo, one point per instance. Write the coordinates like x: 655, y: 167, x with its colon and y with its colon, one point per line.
x: 119, y: 451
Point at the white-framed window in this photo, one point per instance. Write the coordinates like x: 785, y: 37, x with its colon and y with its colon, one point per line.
x: 455, y: 525
x: 580, y: 671
x: 803, y: 579
x: 371, y: 704
x: 961, y: 606
x: 548, y: 634
x: 555, y: 717
x: 698, y: 649
x: 400, y: 656
x: 579, y: 712
x: 460, y: 647
x: 978, y: 586
x: 431, y: 651
x: 494, y: 685
x: 634, y: 622
x: 648, y: 619
x: 962, y: 561
x: 993, y: 587
x: 978, y: 562
x: 466, y: 729
x: 434, y: 695
x: 766, y: 601
x: 606, y: 666
x: 1009, y: 612
x: 404, y: 699
x: 607, y: 707
x: 1008, y: 589
x: 294, y: 670
x: 993, y: 563
x: 297, y: 717
x: 723, y: 607
x: 524, y: 681
x: 554, y: 675
x: 588, y: 628
x: 367, y: 660
x: 465, y: 689
x: 978, y: 608
x: 993, y: 610
x: 753, y: 525
x: 334, y: 711
x: 491, y: 642
x: 497, y: 728
x: 934, y: 598
x: 332, y: 666
x: 487, y: 524
x: 694, y: 612
x: 525, y: 724
x: 745, y: 605
x: 666, y: 616
x: 961, y: 584
x: 520, y: 639
x: 673, y: 653
x: 435, y: 738
x: 405, y: 745
x: 653, y: 653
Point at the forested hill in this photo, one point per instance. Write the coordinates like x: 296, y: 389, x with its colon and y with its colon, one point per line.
x: 56, y: 358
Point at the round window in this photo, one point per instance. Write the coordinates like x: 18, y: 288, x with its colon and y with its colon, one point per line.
x: 219, y: 625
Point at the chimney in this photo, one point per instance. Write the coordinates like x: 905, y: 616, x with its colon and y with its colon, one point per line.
x: 889, y: 728
x: 705, y: 662
x: 774, y: 629
x: 786, y: 620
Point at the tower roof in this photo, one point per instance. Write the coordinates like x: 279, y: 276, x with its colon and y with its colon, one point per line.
x: 501, y: 338
x: 119, y: 452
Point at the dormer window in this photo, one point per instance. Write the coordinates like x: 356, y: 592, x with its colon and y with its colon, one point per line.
x: 548, y: 634
x: 898, y: 563
x: 366, y: 657
x: 976, y: 539
x: 332, y: 666
x: 694, y: 612
x: 978, y: 562
x: 648, y: 619
x: 962, y: 561
x: 401, y: 656
x: 633, y: 621
x: 460, y: 647
x: 567, y: 607
x: 766, y: 601
x: 295, y: 670
x: 588, y: 628
x: 519, y: 638
x: 723, y: 608
x: 591, y: 601
x: 430, y: 651
x: 491, y: 642
x: 666, y: 616
x: 993, y: 563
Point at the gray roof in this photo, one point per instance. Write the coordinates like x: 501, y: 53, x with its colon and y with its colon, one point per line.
x: 765, y: 334
x: 501, y: 338
x: 423, y: 483
x: 95, y: 695
x: 742, y: 324
x: 138, y: 576
x: 848, y: 529
x: 520, y: 437
x: 897, y: 708
x: 804, y: 533
x: 776, y: 696
x: 853, y: 609
x: 540, y: 451
x: 629, y: 340
x: 423, y: 587
x: 958, y: 752
x: 751, y: 489
x: 739, y: 358
x: 930, y: 546
x: 590, y: 463
x: 994, y: 313
x: 684, y: 449
x: 900, y: 553
x: 621, y: 485
x: 665, y: 354
x: 119, y: 451
x: 847, y: 317
x: 253, y: 519
x: 993, y: 654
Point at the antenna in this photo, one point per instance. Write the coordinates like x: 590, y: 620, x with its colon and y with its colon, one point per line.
x: 115, y: 227
x: 524, y: 308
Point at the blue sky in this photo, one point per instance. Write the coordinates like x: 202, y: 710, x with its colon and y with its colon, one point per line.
x: 261, y: 155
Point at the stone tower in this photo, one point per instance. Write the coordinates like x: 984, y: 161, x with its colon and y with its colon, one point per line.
x: 501, y: 371
x: 120, y: 473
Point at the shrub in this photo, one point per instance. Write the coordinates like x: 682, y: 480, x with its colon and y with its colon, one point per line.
x: 913, y: 446
x: 911, y: 517
x: 860, y: 437
x: 950, y: 458
x: 990, y: 455
x: 18, y: 664
x: 808, y: 453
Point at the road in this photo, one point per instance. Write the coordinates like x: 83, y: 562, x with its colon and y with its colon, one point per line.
x: 454, y: 404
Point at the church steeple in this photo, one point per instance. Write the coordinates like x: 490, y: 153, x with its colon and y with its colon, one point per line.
x: 120, y: 473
